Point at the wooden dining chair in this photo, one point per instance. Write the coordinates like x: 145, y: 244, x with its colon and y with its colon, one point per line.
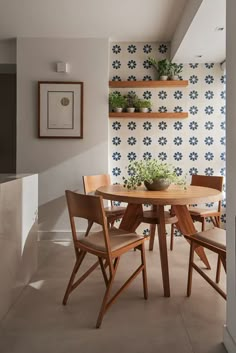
x: 213, y: 239
x: 200, y: 214
x: 91, y: 184
x: 108, y: 245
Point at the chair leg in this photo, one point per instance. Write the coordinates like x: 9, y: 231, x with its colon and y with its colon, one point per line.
x: 110, y: 224
x: 217, y: 221
x: 172, y: 236
x: 106, y: 295
x: 103, y: 268
x: 144, y: 272
x: 79, y: 260
x: 152, y: 236
x: 223, y: 261
x: 218, y: 269
x: 190, y: 269
x: 203, y: 224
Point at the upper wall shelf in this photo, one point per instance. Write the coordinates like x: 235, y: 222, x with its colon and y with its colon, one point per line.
x: 149, y: 115
x: 147, y: 84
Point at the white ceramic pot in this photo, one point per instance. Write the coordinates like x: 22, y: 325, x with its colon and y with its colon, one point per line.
x: 163, y: 78
x: 130, y: 110
x: 143, y: 110
x: 118, y: 110
x: 174, y: 78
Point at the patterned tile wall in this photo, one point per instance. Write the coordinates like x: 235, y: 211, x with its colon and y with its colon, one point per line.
x: 195, y: 145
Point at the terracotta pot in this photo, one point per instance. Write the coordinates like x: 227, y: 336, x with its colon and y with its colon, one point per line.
x: 157, y: 184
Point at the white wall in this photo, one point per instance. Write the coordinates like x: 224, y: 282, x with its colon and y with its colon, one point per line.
x: 61, y: 162
x: 8, y: 51
x: 189, y: 12
x: 18, y: 236
x: 230, y: 330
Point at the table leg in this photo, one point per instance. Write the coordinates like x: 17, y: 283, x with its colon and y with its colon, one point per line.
x: 163, y: 252
x: 186, y: 226
x: 132, y: 217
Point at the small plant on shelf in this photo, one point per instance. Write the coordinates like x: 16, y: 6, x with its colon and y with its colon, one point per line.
x: 131, y: 101
x: 143, y: 105
x: 154, y: 174
x: 117, y: 101
x: 163, y: 67
x: 175, y: 70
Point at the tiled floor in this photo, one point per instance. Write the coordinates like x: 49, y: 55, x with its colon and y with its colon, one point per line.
x: 38, y: 323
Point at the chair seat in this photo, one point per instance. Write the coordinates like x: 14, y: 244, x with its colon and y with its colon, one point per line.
x: 152, y: 217
x: 204, y: 212
x: 114, y: 211
x: 215, y: 237
x: 118, y: 239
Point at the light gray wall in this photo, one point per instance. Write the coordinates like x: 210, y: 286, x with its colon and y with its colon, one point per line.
x: 8, y: 51
x: 189, y: 12
x: 230, y: 331
x: 61, y: 163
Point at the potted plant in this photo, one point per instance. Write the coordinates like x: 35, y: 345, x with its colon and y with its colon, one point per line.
x: 131, y: 100
x: 154, y: 174
x: 117, y: 101
x: 162, y: 67
x: 175, y: 70
x: 143, y: 105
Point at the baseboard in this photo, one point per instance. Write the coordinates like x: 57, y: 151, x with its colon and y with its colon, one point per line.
x: 229, y: 342
x: 55, y: 235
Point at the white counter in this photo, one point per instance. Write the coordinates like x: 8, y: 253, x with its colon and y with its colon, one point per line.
x: 18, y: 235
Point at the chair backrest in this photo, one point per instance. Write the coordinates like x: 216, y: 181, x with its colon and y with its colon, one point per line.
x: 214, y: 182
x: 88, y: 207
x: 92, y: 182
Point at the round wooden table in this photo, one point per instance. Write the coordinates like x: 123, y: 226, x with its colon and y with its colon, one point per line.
x: 176, y: 196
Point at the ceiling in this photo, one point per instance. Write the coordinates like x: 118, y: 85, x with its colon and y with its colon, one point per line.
x: 127, y: 20
x: 205, y: 39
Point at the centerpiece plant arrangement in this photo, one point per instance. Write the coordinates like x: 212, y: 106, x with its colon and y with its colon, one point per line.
x: 155, y: 175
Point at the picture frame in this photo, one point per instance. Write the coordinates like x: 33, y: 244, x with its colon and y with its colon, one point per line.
x: 60, y: 109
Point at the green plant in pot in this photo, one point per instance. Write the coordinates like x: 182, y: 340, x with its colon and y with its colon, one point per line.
x: 154, y: 174
x: 117, y: 101
x: 143, y: 105
x: 162, y: 67
x: 175, y: 70
x: 131, y: 100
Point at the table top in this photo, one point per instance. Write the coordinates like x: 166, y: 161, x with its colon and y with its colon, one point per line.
x: 174, y: 195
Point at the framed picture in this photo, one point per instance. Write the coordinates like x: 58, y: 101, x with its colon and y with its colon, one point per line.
x: 60, y: 109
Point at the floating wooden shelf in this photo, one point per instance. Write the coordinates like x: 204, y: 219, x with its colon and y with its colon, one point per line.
x: 155, y: 115
x: 147, y: 84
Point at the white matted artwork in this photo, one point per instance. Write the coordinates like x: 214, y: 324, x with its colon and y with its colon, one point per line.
x: 60, y: 109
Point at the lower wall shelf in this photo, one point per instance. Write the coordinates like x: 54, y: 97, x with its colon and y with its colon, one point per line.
x: 156, y: 115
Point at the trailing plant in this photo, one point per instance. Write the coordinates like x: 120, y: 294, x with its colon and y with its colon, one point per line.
x: 148, y: 171
x: 116, y: 100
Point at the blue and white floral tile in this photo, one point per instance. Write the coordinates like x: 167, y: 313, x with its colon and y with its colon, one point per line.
x: 192, y: 145
x: 129, y: 60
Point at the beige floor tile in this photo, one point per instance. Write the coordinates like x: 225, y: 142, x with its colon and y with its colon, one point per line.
x: 39, y: 323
